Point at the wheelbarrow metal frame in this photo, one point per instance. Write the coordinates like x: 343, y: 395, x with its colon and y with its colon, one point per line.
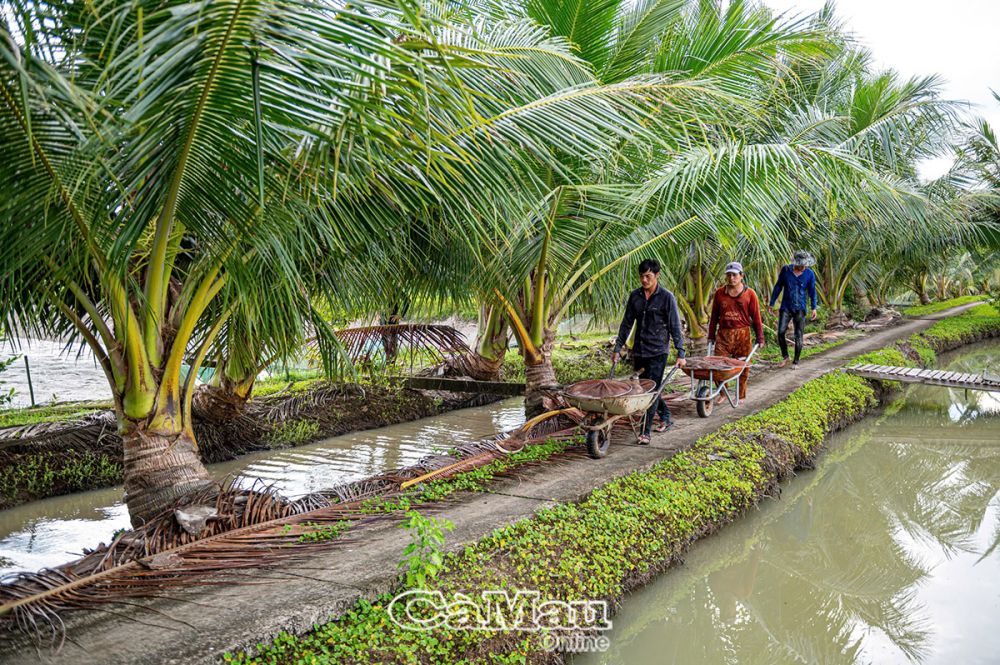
x: 604, y: 412
x: 697, y: 385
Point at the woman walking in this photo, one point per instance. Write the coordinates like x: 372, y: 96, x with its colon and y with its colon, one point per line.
x: 735, y: 310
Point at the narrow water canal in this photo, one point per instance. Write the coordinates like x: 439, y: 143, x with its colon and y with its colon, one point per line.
x: 52, y: 531
x: 888, y: 552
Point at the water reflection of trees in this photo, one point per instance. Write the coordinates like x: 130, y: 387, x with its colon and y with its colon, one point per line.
x: 836, y: 562
x: 964, y: 406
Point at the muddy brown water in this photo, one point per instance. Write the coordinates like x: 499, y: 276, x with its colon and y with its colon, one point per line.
x: 53, y: 531
x: 887, y: 552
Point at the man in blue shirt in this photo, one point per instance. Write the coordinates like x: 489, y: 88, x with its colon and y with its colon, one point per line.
x: 799, y: 284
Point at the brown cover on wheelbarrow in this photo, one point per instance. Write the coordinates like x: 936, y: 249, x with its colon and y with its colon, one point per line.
x: 722, y: 368
x: 599, y: 388
x: 642, y: 386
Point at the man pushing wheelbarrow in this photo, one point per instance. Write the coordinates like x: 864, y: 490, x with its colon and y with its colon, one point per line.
x: 653, y: 310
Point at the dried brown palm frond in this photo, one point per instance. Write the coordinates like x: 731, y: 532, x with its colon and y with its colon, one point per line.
x: 32, y: 603
x: 285, y: 408
x: 401, y: 341
x: 346, y: 493
x: 79, y: 432
x: 252, y: 528
x: 461, y: 466
x: 234, y: 507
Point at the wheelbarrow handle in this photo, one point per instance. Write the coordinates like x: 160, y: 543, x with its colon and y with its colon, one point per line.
x: 612, y: 374
x: 711, y: 349
x: 752, y: 351
x: 666, y: 378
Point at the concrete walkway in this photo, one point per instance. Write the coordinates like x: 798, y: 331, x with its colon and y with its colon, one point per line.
x: 212, y: 620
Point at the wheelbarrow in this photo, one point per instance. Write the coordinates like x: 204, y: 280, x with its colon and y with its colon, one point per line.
x: 714, y: 375
x: 606, y: 401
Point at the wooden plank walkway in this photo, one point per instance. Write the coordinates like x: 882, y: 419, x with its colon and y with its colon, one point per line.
x: 931, y: 377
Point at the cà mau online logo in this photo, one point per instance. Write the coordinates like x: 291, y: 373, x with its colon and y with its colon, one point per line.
x: 421, y: 609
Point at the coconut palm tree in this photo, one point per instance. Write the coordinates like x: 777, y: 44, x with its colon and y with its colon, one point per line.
x: 168, y: 169
x: 734, y: 176
x: 590, y: 218
x: 150, y: 183
x: 888, y: 124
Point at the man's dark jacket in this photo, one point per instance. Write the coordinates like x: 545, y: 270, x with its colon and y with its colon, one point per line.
x: 656, y: 318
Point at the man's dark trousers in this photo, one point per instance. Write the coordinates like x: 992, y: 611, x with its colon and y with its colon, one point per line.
x: 798, y: 317
x: 654, y: 367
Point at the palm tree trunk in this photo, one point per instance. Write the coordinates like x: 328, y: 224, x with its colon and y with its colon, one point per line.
x: 539, y: 379
x: 160, y: 468
x: 693, y: 304
x: 474, y: 366
x: 222, y: 403
x: 920, y: 286
x: 390, y: 343
x: 484, y: 362
x: 696, y: 331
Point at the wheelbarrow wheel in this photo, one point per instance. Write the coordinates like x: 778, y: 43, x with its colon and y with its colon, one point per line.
x: 705, y: 402
x: 598, y: 443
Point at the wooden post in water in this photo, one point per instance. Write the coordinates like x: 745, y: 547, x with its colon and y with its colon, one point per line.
x: 31, y: 390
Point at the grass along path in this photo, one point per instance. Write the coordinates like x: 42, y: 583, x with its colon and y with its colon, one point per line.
x: 626, y: 530
x: 942, y: 305
x: 333, y: 583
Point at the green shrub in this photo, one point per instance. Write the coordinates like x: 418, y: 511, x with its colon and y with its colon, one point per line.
x: 48, y: 413
x: 292, y: 432
x: 923, y: 349
x: 424, y: 555
x: 973, y: 324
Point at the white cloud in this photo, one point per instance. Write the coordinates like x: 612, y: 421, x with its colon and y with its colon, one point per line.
x: 957, y: 40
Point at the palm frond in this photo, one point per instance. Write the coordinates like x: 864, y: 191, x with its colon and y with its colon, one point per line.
x: 400, y: 341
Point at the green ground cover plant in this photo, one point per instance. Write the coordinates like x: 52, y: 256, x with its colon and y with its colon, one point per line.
x: 49, y: 413
x: 48, y: 472
x: 626, y: 530
x: 941, y: 305
x: 292, y: 433
x: 772, y: 353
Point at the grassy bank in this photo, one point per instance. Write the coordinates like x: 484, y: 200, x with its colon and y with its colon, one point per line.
x: 84, y: 455
x: 941, y: 305
x: 50, y: 413
x: 626, y: 531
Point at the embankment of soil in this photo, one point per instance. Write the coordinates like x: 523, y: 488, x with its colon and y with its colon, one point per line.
x: 55, y: 458
x: 629, y: 529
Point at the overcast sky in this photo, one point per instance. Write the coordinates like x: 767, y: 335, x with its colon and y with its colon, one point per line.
x: 959, y: 40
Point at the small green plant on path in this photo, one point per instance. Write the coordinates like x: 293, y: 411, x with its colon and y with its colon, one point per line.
x: 424, y: 556
x: 322, y: 532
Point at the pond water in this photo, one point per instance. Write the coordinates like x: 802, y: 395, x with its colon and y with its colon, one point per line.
x: 887, y: 552
x: 58, y: 373
x: 53, y: 531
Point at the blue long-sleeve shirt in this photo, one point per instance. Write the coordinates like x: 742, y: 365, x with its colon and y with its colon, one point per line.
x: 797, y: 288
x: 658, y: 321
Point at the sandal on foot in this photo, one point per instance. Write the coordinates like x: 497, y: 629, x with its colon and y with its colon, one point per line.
x: 661, y: 426
x: 643, y: 440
